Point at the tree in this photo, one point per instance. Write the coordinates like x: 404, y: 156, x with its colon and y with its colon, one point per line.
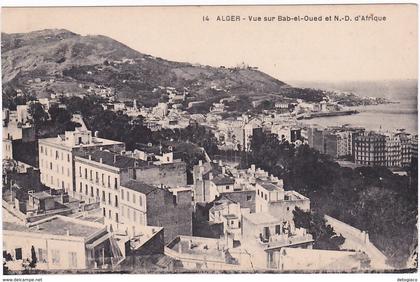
x: 38, y: 114
x: 324, y: 235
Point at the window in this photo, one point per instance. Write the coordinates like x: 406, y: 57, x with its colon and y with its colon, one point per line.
x: 56, y: 155
x: 103, y: 181
x: 109, y: 181
x: 51, y: 165
x: 116, y: 201
x: 227, y: 187
x: 116, y: 183
x: 72, y: 259
x: 277, y: 229
x: 97, y: 177
x: 134, y: 199
x: 140, y: 201
x: 123, y: 210
x: 18, y: 253
x: 122, y: 194
x: 104, y: 211
x: 116, y: 217
x: 55, y: 256
x: 85, y: 173
x: 110, y: 214
x: 81, y: 187
x: 90, y: 174
x: 128, y: 196
x: 134, y: 216
x: 109, y: 198
x: 103, y: 197
x: 97, y: 192
x: 91, y: 191
x: 265, y: 196
x: 42, y: 149
x: 42, y: 255
x: 86, y: 190
x: 68, y: 157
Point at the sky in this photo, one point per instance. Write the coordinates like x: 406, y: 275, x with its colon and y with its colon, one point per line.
x: 304, y: 51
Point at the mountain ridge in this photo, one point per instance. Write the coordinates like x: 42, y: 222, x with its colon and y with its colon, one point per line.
x: 60, y: 61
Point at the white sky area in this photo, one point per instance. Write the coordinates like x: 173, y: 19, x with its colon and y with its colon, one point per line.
x: 327, y: 51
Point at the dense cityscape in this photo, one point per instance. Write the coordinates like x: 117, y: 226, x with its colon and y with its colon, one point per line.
x: 119, y: 162
x: 153, y: 207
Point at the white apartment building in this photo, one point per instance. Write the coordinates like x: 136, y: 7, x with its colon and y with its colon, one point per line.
x: 56, y: 156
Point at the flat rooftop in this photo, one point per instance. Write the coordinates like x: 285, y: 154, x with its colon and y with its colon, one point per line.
x: 56, y: 141
x: 199, y: 246
x: 230, y: 216
x: 41, y: 195
x: 138, y: 186
x: 269, y: 186
x: 223, y: 180
x: 112, y: 159
x: 261, y: 218
x: 55, y: 226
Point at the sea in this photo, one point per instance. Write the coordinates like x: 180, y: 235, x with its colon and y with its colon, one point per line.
x: 384, y: 117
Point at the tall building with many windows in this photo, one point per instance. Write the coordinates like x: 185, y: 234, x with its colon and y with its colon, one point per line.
x: 133, y: 193
x: 369, y: 149
x: 56, y: 156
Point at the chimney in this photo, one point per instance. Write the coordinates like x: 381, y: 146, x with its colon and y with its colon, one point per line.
x: 253, y: 167
x: 115, y: 159
x: 210, y: 176
x: 200, y: 162
x: 220, y: 162
x: 96, y: 134
x: 68, y: 232
x: 223, y: 170
x: 90, y: 157
x: 100, y: 160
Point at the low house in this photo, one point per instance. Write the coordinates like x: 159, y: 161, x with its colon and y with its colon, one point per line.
x: 60, y: 243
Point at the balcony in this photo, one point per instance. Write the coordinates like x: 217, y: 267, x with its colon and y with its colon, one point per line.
x: 283, y: 240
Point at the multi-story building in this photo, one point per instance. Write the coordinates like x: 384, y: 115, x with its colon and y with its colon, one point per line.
x: 414, y: 149
x: 405, y: 142
x: 7, y: 149
x: 271, y: 198
x: 316, y: 138
x: 250, y: 129
x: 334, y: 141
x: 393, y: 151
x: 143, y: 204
x: 287, y: 133
x: 369, y: 149
x: 263, y: 236
x: 56, y: 156
x: 118, y: 183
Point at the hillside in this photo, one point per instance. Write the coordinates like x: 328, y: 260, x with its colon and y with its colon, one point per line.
x: 59, y: 61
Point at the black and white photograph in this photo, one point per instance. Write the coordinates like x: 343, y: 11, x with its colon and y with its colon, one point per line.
x: 209, y: 139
